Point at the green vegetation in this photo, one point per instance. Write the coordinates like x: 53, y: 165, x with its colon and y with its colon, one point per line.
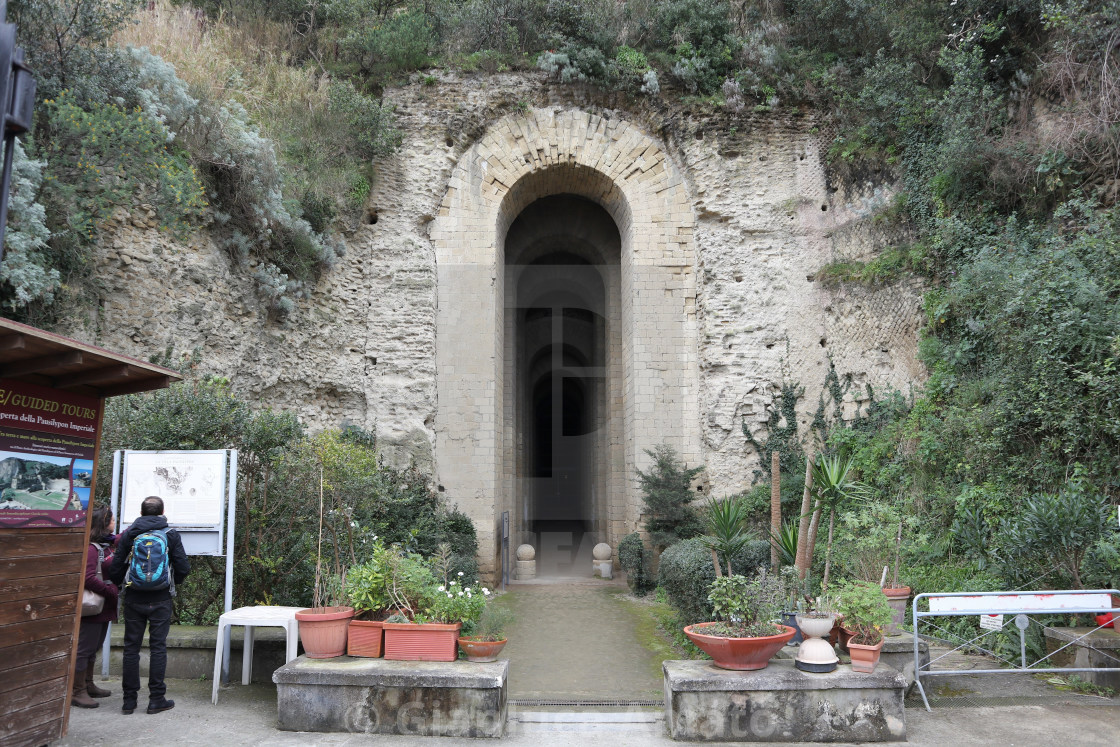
x: 368, y: 506
x: 996, y: 123
x: 667, y: 494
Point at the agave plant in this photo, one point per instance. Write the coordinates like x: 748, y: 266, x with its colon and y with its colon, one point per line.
x: 726, y: 534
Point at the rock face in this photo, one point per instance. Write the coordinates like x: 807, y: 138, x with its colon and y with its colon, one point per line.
x: 723, y: 225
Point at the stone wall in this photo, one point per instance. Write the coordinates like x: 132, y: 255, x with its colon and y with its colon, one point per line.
x: 761, y: 216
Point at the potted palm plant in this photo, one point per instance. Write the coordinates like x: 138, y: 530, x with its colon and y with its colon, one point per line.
x: 866, y: 614
x: 746, y: 636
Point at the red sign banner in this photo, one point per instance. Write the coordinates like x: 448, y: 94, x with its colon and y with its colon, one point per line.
x: 48, y: 440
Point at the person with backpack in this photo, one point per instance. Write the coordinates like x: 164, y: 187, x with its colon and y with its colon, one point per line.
x: 147, y: 565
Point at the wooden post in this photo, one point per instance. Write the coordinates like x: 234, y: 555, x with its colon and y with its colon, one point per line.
x: 775, y: 507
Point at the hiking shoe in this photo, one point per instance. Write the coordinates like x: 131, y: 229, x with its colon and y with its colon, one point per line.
x: 159, y: 706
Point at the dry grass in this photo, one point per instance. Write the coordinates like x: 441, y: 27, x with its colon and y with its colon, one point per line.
x: 249, y: 60
x: 221, y: 60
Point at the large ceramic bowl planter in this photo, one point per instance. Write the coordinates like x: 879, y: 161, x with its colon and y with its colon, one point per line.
x: 364, y: 638
x: 322, y: 630
x: 897, y: 597
x: 481, y: 651
x: 738, y: 653
x: 422, y: 641
x: 864, y: 657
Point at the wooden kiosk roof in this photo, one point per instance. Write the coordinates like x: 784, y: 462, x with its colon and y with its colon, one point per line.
x: 42, y: 569
x: 33, y: 356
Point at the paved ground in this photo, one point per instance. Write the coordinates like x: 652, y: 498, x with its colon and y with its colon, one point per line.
x: 578, y: 641
x: 246, y: 715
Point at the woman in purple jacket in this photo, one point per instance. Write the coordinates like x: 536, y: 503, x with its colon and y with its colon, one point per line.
x: 92, y: 631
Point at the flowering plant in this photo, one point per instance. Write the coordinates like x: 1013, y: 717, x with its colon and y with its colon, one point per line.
x: 453, y: 602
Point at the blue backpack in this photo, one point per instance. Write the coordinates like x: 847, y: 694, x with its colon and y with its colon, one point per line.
x: 149, y: 566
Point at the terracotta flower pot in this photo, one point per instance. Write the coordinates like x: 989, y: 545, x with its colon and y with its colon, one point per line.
x: 322, y: 630
x: 421, y: 641
x: 481, y: 650
x: 364, y: 638
x: 739, y: 653
x: 897, y: 597
x: 864, y: 657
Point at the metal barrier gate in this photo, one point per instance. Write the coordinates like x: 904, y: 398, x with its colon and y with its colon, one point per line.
x: 996, y: 604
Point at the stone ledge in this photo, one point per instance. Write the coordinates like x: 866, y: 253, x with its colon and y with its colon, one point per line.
x: 375, y: 696
x: 703, y: 676
x: 1103, y: 639
x: 783, y: 704
x: 362, y: 672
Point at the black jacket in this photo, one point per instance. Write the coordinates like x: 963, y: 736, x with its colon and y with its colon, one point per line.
x: 180, y: 566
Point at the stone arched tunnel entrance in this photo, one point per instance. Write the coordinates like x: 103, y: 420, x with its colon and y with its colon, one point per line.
x: 566, y: 337
x: 562, y: 347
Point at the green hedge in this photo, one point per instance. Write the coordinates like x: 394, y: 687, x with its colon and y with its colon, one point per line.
x: 635, y: 560
x: 686, y: 572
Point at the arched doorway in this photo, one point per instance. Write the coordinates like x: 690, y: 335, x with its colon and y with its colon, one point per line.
x: 562, y: 293
x: 649, y: 315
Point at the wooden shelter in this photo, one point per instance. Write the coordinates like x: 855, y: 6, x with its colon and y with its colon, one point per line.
x: 52, y: 394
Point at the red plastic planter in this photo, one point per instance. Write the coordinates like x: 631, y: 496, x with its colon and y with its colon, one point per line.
x: 739, y: 653
x: 364, y: 638
x: 421, y: 641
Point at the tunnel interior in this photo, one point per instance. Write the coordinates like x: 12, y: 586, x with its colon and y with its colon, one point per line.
x: 562, y: 256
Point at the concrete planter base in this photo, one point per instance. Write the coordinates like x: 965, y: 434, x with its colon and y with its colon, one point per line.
x: 782, y: 704
x: 377, y: 696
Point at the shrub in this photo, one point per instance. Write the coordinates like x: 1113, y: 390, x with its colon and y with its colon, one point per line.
x: 370, y: 123
x: 368, y: 506
x: 685, y: 573
x: 100, y: 156
x: 865, y: 609
x: 1061, y: 527
x: 26, y: 273
x: 667, y: 494
x: 633, y: 558
x: 390, y: 45
x: 747, y: 606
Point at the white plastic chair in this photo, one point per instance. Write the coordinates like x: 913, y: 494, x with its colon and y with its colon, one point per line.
x: 250, y: 617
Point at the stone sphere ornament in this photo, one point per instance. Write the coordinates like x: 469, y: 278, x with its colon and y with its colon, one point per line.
x: 526, y: 552
x: 601, y: 552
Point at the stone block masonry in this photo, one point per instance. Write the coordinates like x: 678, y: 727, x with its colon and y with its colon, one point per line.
x: 376, y: 696
x: 783, y: 704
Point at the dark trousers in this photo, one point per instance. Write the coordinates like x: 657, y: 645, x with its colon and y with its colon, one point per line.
x: 156, y: 616
x: 90, y: 637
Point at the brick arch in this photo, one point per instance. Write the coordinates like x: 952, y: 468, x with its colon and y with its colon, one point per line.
x: 522, y: 158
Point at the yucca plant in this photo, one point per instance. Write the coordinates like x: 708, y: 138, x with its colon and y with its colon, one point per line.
x: 835, y: 485
x: 786, y: 540
x: 726, y: 534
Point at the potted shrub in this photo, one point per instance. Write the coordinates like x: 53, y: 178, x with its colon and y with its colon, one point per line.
x: 745, y: 636
x: 866, y: 614
x: 486, y: 638
x: 367, y: 589
x: 425, y: 624
x: 323, y: 626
